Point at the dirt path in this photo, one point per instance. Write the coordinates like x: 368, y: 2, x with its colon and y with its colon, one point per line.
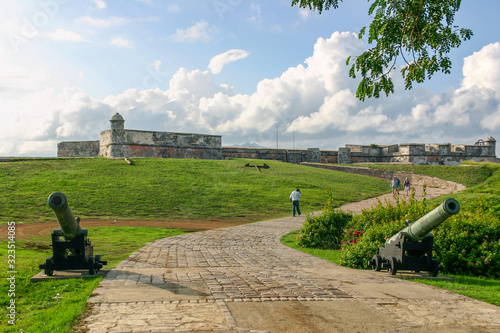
x: 431, y: 193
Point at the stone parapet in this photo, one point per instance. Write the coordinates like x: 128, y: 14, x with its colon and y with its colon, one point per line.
x: 78, y: 149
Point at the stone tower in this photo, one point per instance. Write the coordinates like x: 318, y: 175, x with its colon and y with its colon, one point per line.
x: 491, y: 142
x: 117, y: 128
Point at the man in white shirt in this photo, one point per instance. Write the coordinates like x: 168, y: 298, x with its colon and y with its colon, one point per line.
x: 294, y: 199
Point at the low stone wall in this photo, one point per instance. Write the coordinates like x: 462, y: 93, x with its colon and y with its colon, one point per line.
x: 282, y: 155
x: 415, y: 179
x: 78, y: 149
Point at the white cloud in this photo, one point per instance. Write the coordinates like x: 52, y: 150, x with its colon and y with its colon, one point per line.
x: 100, y: 4
x: 255, y: 14
x: 103, y: 22
x: 156, y: 65
x: 304, y: 13
x: 121, y: 42
x: 112, y: 21
x: 482, y: 69
x: 201, y: 31
x: 173, y: 8
x: 66, y: 35
x: 219, y: 61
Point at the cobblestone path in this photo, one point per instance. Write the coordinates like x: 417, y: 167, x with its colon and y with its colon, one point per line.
x: 204, y: 281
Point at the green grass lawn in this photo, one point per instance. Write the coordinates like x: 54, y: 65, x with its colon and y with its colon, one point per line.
x: 170, y: 189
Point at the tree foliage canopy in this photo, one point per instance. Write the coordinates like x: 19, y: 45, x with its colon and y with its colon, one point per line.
x: 420, y: 32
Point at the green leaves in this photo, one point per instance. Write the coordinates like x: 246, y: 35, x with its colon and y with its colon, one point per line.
x: 415, y: 35
x: 318, y: 5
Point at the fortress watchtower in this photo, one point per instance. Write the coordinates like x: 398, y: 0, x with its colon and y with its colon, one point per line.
x: 491, y: 142
x: 117, y: 128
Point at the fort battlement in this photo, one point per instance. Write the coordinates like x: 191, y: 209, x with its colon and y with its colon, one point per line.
x: 118, y: 142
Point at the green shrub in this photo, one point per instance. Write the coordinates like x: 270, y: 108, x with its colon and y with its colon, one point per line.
x: 410, y: 209
x: 357, y: 253
x: 469, y: 243
x: 324, y: 231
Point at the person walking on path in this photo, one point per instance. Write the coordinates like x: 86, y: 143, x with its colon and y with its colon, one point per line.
x: 406, y: 186
x: 395, y: 186
x: 294, y: 199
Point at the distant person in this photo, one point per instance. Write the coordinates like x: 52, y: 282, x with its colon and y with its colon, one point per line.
x: 294, y: 199
x: 406, y: 186
x: 395, y: 186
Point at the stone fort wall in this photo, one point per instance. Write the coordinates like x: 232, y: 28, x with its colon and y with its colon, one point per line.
x: 118, y: 142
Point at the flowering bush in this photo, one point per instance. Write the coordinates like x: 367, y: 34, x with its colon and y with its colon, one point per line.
x: 356, y: 254
x: 467, y: 243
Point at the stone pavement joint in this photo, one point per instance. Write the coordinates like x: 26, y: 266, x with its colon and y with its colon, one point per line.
x: 189, y: 283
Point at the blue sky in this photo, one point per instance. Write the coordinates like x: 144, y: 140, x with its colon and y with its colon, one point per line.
x: 250, y: 71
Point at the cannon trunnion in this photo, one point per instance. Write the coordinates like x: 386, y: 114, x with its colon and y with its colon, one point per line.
x: 411, y: 248
x: 70, y: 246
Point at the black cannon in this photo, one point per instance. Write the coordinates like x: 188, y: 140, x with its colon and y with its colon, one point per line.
x: 71, y: 248
x: 411, y: 248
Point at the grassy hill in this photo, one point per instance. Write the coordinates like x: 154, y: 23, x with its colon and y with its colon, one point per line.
x: 171, y: 189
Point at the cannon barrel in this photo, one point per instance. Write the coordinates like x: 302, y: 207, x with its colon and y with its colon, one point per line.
x: 420, y: 228
x: 70, y: 226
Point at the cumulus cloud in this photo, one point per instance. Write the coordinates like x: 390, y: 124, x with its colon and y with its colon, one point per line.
x: 201, y: 31
x: 314, y: 102
x: 219, y: 61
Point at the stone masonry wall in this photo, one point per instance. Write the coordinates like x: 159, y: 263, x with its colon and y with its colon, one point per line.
x: 283, y: 155
x: 78, y: 149
x: 133, y: 143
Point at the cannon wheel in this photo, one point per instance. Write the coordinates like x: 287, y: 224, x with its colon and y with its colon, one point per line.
x: 92, y: 270
x: 377, y: 263
x: 393, y: 268
x: 49, y: 267
x: 435, y: 268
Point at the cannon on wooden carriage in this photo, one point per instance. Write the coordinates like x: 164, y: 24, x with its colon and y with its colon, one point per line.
x: 71, y: 248
x: 411, y: 248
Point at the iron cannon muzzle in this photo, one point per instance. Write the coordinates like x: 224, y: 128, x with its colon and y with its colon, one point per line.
x: 421, y: 227
x: 70, y: 225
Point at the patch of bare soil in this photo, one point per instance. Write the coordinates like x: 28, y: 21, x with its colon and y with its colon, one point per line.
x: 309, y: 317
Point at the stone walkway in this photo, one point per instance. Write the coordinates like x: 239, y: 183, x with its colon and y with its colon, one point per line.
x: 242, y: 279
